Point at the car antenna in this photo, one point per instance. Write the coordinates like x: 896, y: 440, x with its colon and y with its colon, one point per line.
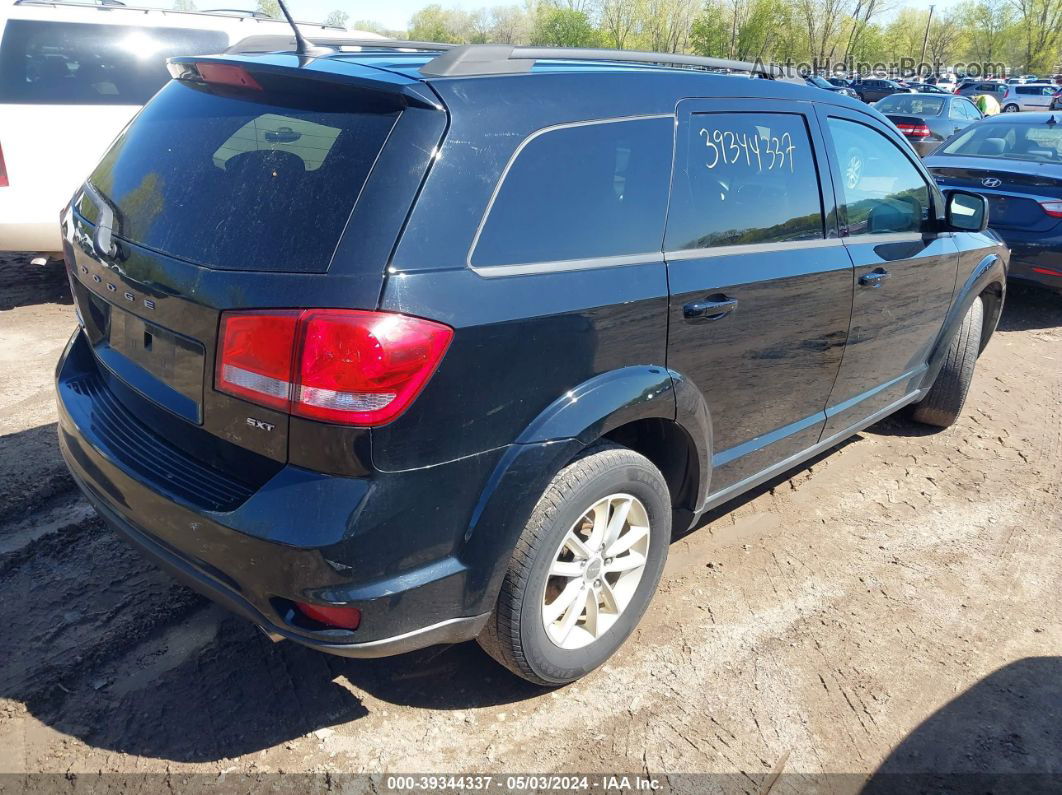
x: 1052, y: 120
x: 303, y: 48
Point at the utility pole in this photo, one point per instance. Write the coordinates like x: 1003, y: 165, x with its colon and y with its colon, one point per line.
x: 925, y: 39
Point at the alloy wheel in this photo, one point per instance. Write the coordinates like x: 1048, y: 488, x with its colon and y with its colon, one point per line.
x: 595, y: 571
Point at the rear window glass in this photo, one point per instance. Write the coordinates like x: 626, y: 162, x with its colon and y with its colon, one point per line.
x: 68, y: 63
x: 1040, y: 143
x: 581, y: 192
x: 233, y: 183
x: 749, y: 178
x: 911, y: 103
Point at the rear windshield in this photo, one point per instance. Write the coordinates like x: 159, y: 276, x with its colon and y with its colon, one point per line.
x: 1040, y: 143
x: 234, y: 183
x: 911, y: 103
x: 70, y: 63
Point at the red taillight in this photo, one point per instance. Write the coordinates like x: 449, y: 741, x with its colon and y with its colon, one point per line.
x: 1047, y: 271
x: 227, y: 75
x: 3, y: 169
x: 343, y: 617
x: 1054, y: 209
x: 914, y: 130
x: 255, y: 355
x: 337, y: 365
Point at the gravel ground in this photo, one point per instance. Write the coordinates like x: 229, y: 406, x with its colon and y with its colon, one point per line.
x: 891, y: 607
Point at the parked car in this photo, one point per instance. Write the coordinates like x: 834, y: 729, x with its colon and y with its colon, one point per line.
x: 928, y: 119
x: 72, y: 75
x: 926, y: 88
x: 944, y: 82
x: 840, y: 82
x: 1016, y: 162
x: 384, y: 350
x: 826, y: 85
x: 873, y: 89
x: 988, y: 87
x: 1031, y: 96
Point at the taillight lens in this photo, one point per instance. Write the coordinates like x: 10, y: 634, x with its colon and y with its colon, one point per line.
x: 255, y: 355
x: 1054, y: 209
x: 914, y: 130
x: 343, y: 617
x: 337, y: 365
x: 3, y: 169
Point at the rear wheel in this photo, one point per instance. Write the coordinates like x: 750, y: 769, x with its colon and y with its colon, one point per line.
x: 1011, y: 108
x: 584, y: 569
x: 943, y: 403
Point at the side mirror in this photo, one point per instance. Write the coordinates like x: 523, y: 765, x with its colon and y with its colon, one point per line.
x: 965, y: 211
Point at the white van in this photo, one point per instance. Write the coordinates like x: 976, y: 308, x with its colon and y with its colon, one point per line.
x: 72, y: 75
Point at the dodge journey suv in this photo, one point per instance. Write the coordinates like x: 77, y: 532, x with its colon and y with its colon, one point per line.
x: 423, y: 344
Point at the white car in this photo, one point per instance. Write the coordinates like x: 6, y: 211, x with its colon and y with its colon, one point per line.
x: 1031, y: 96
x: 72, y: 76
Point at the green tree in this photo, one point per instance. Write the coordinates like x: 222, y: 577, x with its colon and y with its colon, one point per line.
x: 184, y: 5
x: 337, y: 18
x: 435, y: 23
x: 710, y: 32
x: 988, y: 24
x: 270, y: 8
x: 564, y: 27
x: 1041, y: 24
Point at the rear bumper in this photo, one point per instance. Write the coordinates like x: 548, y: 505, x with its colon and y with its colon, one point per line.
x: 925, y: 147
x: 453, y: 630
x: 1034, y: 258
x: 302, y: 536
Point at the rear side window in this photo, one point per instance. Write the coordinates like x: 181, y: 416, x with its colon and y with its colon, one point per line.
x: 581, y: 192
x: 69, y: 63
x: 749, y: 178
x: 236, y: 182
x: 882, y: 191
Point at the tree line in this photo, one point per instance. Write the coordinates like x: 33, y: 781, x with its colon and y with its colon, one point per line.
x: 1026, y: 35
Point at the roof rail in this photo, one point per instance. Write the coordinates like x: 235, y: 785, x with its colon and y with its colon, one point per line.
x: 492, y: 59
x: 237, y: 12
x: 274, y: 43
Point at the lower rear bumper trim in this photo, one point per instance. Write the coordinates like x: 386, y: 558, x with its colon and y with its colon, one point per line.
x: 453, y: 630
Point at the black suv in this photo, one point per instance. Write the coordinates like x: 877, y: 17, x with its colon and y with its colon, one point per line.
x: 392, y: 348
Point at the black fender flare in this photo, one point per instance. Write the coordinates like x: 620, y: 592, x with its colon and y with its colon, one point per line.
x: 990, y: 270
x: 564, y: 428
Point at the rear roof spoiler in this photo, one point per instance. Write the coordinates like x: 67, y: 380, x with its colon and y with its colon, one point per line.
x: 394, y: 89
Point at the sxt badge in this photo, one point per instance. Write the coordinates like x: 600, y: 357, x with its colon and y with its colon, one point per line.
x: 260, y: 425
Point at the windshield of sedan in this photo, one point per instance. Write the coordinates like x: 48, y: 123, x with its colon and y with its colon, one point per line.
x: 911, y: 103
x: 1038, y: 143
x: 819, y: 81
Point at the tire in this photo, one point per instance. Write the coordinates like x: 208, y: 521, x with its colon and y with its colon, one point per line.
x: 1011, y: 108
x: 516, y: 635
x: 943, y: 403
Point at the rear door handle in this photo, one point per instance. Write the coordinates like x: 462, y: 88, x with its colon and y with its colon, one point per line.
x: 874, y: 278
x: 711, y: 308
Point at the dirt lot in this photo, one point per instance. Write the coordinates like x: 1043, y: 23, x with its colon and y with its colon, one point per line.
x: 893, y: 606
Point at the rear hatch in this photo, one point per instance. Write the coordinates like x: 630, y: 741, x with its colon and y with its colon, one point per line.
x: 1014, y: 188
x: 246, y: 184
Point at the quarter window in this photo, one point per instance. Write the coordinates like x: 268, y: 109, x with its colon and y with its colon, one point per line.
x: 881, y: 189
x: 581, y: 192
x: 748, y: 178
